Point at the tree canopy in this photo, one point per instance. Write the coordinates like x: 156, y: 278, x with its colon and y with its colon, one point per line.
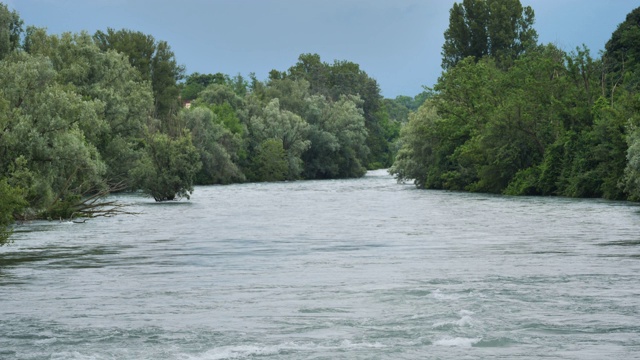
x: 502, y: 29
x: 85, y: 115
x: 548, y: 123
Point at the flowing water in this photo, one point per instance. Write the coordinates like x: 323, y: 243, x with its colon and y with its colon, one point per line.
x: 346, y: 269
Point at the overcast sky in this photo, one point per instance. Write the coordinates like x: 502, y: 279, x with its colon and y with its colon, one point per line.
x: 397, y: 42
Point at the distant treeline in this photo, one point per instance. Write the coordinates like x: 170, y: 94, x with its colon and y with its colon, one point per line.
x: 511, y: 116
x: 85, y: 115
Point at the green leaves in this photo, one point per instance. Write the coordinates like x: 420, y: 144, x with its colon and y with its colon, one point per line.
x: 270, y: 162
x: 168, y: 169
x: 288, y: 128
x: 535, y: 128
x: 13, y: 202
x: 501, y: 29
x: 44, y: 129
x: 155, y: 62
x: 10, y: 30
x: 217, y: 145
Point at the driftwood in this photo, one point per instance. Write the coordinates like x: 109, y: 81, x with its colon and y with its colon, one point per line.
x: 95, y: 205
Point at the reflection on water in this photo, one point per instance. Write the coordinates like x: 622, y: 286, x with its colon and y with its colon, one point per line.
x: 343, y: 269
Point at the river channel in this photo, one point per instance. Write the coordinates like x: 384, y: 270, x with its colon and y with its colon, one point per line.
x: 344, y: 269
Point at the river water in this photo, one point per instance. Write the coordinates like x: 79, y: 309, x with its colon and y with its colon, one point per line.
x: 345, y: 269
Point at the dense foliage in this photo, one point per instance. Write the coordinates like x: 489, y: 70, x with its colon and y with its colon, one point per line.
x: 501, y: 29
x: 538, y: 122
x: 84, y: 115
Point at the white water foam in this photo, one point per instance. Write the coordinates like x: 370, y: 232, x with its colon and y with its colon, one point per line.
x: 250, y: 351
x: 465, y: 320
x: 457, y: 342
x: 437, y: 294
x: 74, y: 355
x: 243, y: 351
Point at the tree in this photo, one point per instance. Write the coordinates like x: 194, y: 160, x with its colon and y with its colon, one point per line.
x: 10, y: 30
x: 420, y: 156
x: 108, y: 78
x: 169, y: 168
x: 139, y: 48
x: 288, y: 128
x: 216, y: 144
x: 338, y: 138
x: 346, y: 78
x: 622, y: 54
x: 219, y: 94
x: 270, y: 161
x: 197, y: 82
x: 165, y: 73
x: 156, y: 63
x: 12, y: 202
x: 43, y: 148
x: 498, y: 28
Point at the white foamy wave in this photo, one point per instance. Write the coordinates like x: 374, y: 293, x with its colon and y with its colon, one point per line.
x: 457, y: 342
x: 251, y: 351
x: 243, y: 351
x: 463, y: 321
x: 351, y: 345
x: 74, y: 355
x: 437, y: 294
x: 464, y: 312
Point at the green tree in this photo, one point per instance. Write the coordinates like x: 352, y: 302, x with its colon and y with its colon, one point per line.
x: 197, y: 82
x: 622, y: 53
x: 12, y: 202
x: 346, y: 78
x: 498, y: 28
x: 338, y: 139
x: 220, y: 94
x: 139, y: 48
x: 107, y: 78
x: 420, y: 158
x: 217, y: 147
x: 156, y: 63
x: 270, y: 161
x: 169, y: 169
x: 10, y: 30
x: 44, y: 150
x: 290, y: 129
x: 164, y: 80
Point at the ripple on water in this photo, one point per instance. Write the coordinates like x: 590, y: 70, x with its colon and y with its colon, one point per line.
x: 344, y: 269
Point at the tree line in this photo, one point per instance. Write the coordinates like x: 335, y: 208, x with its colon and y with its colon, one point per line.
x: 511, y: 116
x: 83, y: 115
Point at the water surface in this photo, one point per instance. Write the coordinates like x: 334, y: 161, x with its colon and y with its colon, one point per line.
x: 345, y: 269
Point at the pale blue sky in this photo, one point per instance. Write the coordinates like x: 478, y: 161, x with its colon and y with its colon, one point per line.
x: 397, y: 42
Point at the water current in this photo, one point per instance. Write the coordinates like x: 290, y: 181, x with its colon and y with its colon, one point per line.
x: 345, y: 269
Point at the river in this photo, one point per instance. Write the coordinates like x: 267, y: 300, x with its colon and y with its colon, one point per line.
x: 345, y: 269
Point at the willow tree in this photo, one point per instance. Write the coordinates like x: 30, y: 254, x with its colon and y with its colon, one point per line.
x: 108, y: 78
x: 43, y: 148
x: 168, y: 171
x: 287, y: 128
x: 346, y: 78
x: 338, y: 138
x: 217, y: 145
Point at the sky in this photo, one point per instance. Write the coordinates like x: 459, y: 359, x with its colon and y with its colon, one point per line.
x: 396, y: 42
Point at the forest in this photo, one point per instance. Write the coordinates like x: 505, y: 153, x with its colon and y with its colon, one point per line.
x: 511, y: 116
x: 85, y: 115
